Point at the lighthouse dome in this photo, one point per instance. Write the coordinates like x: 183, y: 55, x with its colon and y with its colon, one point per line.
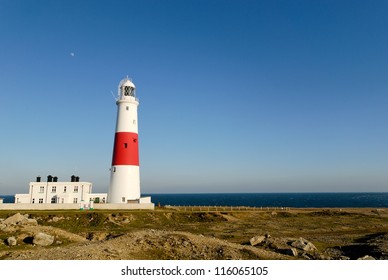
x: 126, y: 83
x: 126, y: 88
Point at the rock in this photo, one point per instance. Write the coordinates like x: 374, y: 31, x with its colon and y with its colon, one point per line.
x: 16, y: 219
x: 43, y: 239
x: 57, y: 219
x: 257, y: 240
x: 2, y: 226
x: 276, y: 244
x: 97, y: 236
x: 306, y: 256
x: 321, y: 257
x: 291, y: 252
x: 366, y: 257
x: 334, y: 253
x: 304, y: 245
x: 32, y: 222
x: 11, y: 241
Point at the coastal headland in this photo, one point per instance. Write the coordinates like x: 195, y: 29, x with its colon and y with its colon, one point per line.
x: 195, y: 233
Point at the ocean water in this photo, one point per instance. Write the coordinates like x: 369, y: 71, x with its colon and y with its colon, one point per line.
x: 297, y: 200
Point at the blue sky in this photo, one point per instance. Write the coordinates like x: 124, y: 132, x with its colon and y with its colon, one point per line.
x: 235, y: 96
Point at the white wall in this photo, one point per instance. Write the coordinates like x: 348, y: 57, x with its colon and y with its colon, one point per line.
x: 124, y: 183
x: 127, y: 116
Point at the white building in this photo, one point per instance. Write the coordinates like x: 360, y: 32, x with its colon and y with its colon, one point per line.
x: 55, y: 192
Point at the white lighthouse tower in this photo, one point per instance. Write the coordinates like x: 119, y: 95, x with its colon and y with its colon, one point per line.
x: 125, y: 177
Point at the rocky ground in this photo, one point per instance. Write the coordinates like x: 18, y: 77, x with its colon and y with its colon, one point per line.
x: 176, y: 234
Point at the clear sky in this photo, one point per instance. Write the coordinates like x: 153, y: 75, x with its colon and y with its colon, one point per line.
x: 235, y: 96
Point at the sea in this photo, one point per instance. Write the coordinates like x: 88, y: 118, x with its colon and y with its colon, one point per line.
x: 295, y: 200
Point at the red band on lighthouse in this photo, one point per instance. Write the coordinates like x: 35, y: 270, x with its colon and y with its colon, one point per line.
x: 126, y: 149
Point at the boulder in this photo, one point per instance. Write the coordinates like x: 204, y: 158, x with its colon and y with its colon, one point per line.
x: 11, y: 241
x: 16, y: 219
x: 304, y: 245
x: 257, y: 240
x: 43, y: 239
x: 32, y: 222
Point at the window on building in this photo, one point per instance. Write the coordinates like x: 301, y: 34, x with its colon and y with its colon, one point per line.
x: 53, y: 200
x: 41, y: 189
x: 33, y: 200
x: 75, y: 200
x: 64, y: 189
x: 40, y: 200
x: 62, y: 200
x: 123, y: 199
x: 53, y: 189
x: 75, y: 188
x: 127, y: 108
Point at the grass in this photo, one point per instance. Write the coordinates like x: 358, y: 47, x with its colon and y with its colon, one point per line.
x: 325, y: 228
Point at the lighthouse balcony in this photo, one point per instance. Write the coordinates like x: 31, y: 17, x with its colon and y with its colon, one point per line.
x: 127, y: 99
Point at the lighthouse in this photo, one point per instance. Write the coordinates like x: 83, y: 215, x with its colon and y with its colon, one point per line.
x: 125, y: 176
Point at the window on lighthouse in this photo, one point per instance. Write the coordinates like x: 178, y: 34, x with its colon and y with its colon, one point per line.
x: 128, y: 91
